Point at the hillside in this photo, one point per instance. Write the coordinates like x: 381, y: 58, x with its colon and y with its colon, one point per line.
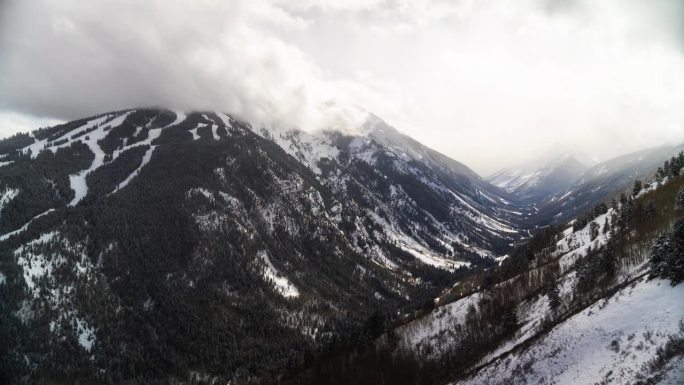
x: 144, y: 245
x: 535, y: 181
x: 156, y: 246
x: 600, y: 183
x: 575, y: 305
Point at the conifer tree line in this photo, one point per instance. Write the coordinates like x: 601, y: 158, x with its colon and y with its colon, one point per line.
x: 667, y: 254
x: 671, y: 168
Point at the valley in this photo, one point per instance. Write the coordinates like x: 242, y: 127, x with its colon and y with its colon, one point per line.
x: 154, y: 246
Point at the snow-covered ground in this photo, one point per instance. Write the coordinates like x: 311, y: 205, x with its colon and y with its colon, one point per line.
x: 71, y: 261
x: 78, y: 181
x: 437, y: 331
x: 25, y: 226
x: 613, y: 339
x: 282, y: 284
x: 6, y: 196
x: 35, y: 148
x: 145, y: 160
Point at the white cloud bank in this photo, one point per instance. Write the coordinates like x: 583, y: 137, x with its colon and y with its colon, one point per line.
x: 486, y: 82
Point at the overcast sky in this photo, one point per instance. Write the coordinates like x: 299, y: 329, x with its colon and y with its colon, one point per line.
x: 488, y: 82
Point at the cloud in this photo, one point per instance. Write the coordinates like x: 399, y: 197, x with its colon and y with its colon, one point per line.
x: 72, y: 58
x: 487, y: 82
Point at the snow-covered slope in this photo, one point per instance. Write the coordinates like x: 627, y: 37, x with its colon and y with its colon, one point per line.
x: 436, y: 331
x: 615, y: 340
x: 537, y: 180
x: 629, y: 328
x: 601, y: 182
x: 410, y: 187
x: 211, y: 233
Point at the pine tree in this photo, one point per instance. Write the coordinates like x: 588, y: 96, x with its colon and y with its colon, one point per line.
x: 637, y: 187
x: 606, y: 226
x: 667, y: 255
x: 675, y: 261
x: 679, y: 203
x: 660, y: 253
x: 554, y: 296
x: 593, y: 230
x: 623, y: 198
x: 675, y: 166
x: 609, y: 260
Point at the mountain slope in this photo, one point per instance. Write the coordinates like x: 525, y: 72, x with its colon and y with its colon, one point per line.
x: 574, y: 305
x: 601, y: 182
x: 148, y: 244
x: 617, y: 338
x: 532, y: 182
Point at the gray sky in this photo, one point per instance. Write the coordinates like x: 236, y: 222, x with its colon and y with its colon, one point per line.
x: 488, y: 82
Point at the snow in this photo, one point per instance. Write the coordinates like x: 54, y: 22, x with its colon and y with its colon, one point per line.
x: 487, y: 221
x: 40, y: 145
x: 214, y: 132
x: 437, y: 330
x: 151, y: 136
x: 35, y: 266
x: 614, y: 338
x: 56, y: 294
x: 196, y: 136
x: 574, y: 245
x: 308, y: 148
x: 6, y: 196
x: 86, y: 334
x: 2, y: 278
x: 226, y: 120
x: 78, y: 181
x: 2, y: 164
x: 25, y: 226
x: 282, y: 285
x: 202, y: 191
x: 411, y: 246
x: 145, y: 160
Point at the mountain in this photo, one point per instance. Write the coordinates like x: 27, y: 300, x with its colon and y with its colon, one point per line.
x: 151, y: 245
x: 534, y: 181
x: 602, y: 182
x: 159, y: 246
x: 591, y: 304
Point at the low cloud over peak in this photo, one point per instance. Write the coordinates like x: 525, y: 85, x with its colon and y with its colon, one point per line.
x: 486, y: 82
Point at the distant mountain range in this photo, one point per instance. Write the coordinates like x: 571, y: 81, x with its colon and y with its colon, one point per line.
x: 558, y: 189
x: 538, y: 180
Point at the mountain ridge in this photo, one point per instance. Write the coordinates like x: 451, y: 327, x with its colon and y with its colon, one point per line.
x: 283, y: 241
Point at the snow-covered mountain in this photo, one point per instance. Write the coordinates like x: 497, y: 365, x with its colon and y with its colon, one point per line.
x: 216, y: 245
x: 576, y: 305
x: 533, y: 181
x: 602, y: 182
x: 156, y: 246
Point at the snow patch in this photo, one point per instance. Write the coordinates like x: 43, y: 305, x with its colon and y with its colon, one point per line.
x: 25, y: 226
x: 214, y: 132
x: 282, y: 285
x: 86, y: 334
x: 78, y: 181
x: 145, y: 160
x: 6, y: 196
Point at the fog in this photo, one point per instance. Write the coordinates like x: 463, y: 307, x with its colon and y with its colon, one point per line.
x: 489, y: 83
